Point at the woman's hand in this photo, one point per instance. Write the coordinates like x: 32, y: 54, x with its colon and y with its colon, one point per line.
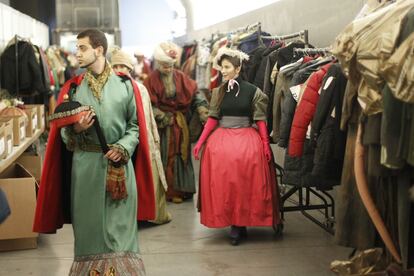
x: 197, y: 149
x: 267, y: 152
x: 208, y: 128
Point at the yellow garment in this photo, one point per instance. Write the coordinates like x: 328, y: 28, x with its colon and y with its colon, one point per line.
x: 366, y: 262
x: 369, y: 99
x: 182, y: 123
x: 96, y: 84
x: 398, y: 71
x: 365, y: 45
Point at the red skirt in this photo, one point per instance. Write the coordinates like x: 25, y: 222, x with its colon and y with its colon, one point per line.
x: 237, y: 186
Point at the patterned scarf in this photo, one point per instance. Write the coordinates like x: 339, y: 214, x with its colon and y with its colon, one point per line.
x: 96, y: 84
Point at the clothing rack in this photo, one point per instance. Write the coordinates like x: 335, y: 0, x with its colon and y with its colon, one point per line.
x: 312, y: 51
x: 303, y: 204
x: 254, y: 26
x: 247, y: 28
x: 302, y: 34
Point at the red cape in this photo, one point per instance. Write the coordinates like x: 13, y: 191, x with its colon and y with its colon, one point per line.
x: 53, y: 202
x: 185, y: 87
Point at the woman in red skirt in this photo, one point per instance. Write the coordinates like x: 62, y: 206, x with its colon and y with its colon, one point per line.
x: 237, y: 186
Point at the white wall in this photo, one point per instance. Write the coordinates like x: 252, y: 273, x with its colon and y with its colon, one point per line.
x: 13, y: 22
x: 144, y: 24
x: 323, y: 18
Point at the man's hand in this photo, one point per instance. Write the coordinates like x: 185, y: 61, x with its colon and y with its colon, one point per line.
x: 114, y: 155
x: 84, y: 123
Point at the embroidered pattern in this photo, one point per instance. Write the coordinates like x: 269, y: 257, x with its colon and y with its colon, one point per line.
x: 109, y: 264
x: 97, y: 84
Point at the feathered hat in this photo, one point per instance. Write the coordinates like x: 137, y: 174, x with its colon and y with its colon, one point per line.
x: 224, y: 51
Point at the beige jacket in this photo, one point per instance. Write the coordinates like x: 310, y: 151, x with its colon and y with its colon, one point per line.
x: 153, y: 136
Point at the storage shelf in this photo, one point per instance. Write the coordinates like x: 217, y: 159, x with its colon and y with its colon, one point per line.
x: 18, y: 150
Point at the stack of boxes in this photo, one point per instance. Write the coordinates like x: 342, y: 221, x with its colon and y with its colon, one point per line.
x: 17, y: 127
x: 18, y: 181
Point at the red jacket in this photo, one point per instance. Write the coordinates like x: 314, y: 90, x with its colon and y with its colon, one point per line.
x: 53, y: 202
x: 305, y: 111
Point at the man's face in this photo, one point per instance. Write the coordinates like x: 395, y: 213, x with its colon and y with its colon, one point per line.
x: 165, y: 67
x: 85, y: 54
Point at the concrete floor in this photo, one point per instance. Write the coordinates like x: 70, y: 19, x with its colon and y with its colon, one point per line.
x: 185, y: 247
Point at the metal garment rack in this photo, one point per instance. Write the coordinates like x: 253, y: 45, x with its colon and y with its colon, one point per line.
x: 302, y: 34
x: 250, y: 27
x: 247, y: 28
x: 312, y: 51
x: 303, y: 204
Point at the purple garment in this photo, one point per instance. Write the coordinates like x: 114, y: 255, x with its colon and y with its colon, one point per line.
x: 251, y: 42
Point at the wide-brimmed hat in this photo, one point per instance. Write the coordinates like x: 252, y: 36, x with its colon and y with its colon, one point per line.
x: 119, y: 57
x: 224, y: 51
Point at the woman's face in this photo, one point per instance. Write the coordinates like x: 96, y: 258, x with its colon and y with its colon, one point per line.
x: 119, y: 68
x: 228, y: 70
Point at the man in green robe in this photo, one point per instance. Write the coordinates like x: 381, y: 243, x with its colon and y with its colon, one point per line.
x: 103, y: 197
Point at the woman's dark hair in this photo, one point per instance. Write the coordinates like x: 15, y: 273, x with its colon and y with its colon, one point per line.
x: 233, y: 60
x: 96, y: 38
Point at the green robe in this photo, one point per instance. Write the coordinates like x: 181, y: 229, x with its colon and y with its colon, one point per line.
x: 100, y: 224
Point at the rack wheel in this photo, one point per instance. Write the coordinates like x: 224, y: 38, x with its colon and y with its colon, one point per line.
x: 330, y: 222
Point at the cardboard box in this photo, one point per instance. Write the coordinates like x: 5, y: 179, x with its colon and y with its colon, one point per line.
x: 16, y: 230
x: 41, y: 116
x: 18, y: 244
x: 32, y: 163
x: 32, y: 120
x: 8, y: 133
x: 19, y: 128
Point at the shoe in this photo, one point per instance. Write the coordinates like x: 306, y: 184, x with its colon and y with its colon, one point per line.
x: 235, y: 235
x: 177, y: 199
x: 235, y: 241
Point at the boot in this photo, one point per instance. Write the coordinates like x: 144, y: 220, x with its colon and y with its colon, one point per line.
x: 237, y: 233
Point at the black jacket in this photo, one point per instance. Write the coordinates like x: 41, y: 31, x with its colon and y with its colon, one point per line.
x: 261, y: 70
x: 325, y: 133
x: 320, y: 166
x: 29, y: 71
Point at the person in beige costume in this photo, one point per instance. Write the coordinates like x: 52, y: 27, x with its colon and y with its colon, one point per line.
x: 122, y: 63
